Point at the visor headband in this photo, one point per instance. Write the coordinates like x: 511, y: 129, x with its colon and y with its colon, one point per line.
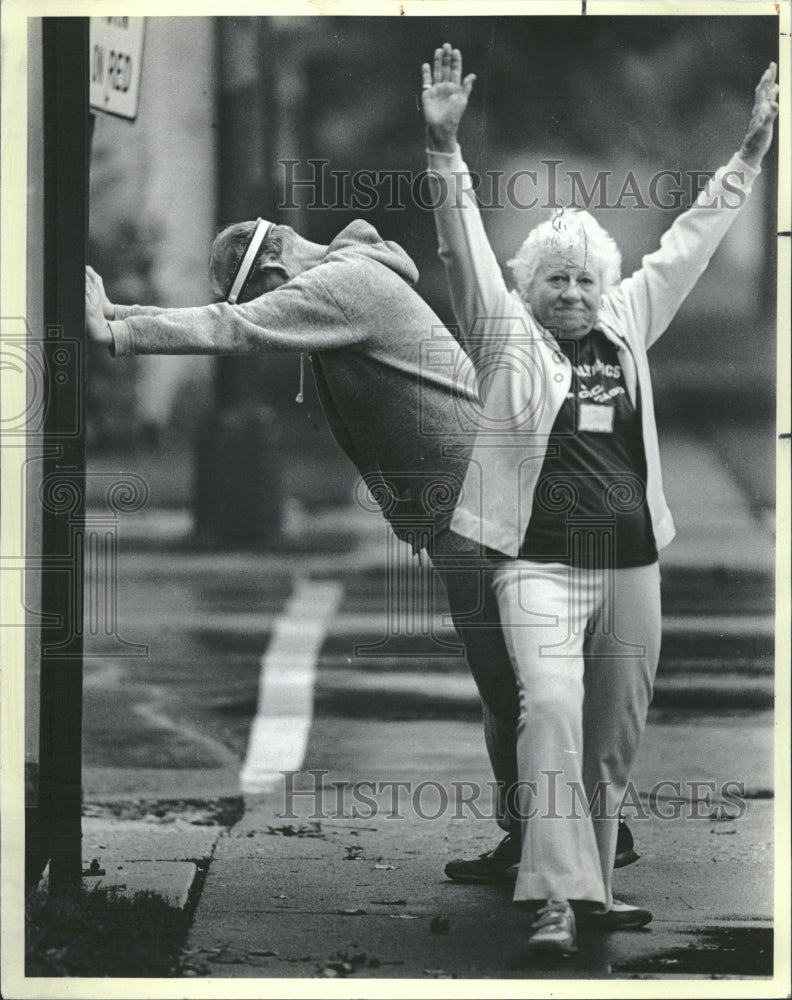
x: 260, y: 233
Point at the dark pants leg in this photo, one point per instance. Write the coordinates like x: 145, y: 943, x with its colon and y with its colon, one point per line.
x: 467, y: 577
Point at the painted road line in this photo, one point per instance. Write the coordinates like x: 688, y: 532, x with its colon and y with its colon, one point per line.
x: 279, y: 735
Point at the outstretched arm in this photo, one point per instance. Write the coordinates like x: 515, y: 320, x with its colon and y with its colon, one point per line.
x: 654, y: 293
x: 301, y: 315
x: 478, y: 292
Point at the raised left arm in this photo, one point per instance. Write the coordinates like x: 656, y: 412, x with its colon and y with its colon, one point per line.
x: 649, y: 299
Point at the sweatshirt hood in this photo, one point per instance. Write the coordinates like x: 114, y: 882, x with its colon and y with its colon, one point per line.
x: 360, y: 237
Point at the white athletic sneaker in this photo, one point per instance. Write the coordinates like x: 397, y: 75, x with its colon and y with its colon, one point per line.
x: 553, y: 930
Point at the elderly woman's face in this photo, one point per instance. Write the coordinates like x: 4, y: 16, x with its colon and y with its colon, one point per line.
x: 564, y: 297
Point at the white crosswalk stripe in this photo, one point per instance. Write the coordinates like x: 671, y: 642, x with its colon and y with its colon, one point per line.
x: 279, y: 734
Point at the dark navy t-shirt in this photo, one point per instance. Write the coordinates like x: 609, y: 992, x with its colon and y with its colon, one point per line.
x: 589, y: 504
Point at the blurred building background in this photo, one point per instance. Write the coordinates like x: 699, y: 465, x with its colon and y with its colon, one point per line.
x: 225, y: 100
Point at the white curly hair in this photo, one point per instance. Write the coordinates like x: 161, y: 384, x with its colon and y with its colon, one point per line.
x: 570, y: 236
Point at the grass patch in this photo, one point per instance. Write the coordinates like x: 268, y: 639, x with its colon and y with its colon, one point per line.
x: 96, y: 932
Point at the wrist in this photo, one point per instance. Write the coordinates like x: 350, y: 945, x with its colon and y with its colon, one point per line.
x: 441, y: 140
x: 750, y: 157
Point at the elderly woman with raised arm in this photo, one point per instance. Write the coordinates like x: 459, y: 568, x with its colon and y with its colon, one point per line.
x: 564, y: 488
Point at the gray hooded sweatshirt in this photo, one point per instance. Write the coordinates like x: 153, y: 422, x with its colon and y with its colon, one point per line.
x: 396, y: 388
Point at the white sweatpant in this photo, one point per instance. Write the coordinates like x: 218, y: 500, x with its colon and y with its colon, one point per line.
x: 584, y: 645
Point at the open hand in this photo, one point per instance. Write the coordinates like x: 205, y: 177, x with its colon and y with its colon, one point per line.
x: 765, y: 111
x: 108, y: 309
x: 445, y: 97
x: 95, y: 322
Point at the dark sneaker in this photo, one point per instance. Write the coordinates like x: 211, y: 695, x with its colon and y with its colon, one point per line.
x: 498, y: 865
x: 620, y: 916
x: 492, y: 866
x: 553, y: 930
x: 625, y: 847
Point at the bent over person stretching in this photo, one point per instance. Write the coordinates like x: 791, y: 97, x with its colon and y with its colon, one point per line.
x: 353, y: 306
x: 564, y: 491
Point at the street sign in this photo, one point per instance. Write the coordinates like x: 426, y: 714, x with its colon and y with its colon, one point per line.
x: 116, y: 57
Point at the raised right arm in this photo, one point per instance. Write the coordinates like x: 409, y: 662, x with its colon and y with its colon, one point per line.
x: 479, y: 294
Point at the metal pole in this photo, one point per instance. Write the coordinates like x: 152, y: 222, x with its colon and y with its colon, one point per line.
x: 66, y: 144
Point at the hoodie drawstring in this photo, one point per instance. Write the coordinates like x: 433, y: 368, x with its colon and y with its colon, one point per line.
x: 299, y: 397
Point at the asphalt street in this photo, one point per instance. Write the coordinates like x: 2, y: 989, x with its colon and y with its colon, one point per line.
x: 176, y: 688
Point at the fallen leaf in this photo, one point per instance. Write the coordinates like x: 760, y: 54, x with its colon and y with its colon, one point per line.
x: 228, y: 958
x: 313, y: 830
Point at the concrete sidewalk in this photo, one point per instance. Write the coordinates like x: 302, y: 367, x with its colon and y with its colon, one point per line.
x: 281, y: 897
x: 288, y: 895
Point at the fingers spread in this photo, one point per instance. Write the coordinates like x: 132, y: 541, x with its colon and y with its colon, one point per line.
x: 447, y: 68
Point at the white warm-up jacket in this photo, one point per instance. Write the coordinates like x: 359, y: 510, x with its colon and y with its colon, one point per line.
x: 523, y: 375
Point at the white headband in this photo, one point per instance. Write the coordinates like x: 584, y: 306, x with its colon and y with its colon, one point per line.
x: 259, y: 235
